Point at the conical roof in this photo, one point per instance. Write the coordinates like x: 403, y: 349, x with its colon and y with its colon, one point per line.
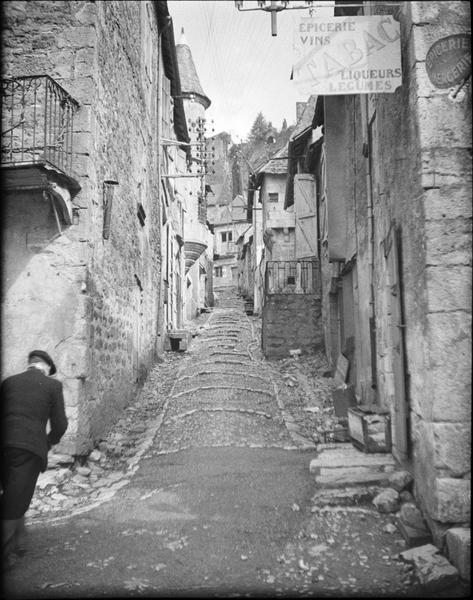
x: 190, y: 83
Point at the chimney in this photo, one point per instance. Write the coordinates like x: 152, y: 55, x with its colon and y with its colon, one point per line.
x: 300, y: 106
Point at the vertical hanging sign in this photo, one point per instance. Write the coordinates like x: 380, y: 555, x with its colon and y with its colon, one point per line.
x: 347, y: 55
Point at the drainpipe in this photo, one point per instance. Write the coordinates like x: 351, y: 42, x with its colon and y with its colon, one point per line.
x: 369, y: 189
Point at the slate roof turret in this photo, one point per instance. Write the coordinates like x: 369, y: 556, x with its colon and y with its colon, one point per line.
x: 190, y: 84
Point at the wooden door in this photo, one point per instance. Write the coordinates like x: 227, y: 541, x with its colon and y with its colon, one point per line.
x: 305, y: 209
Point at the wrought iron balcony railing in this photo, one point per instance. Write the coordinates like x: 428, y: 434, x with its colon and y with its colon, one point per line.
x: 292, y: 277
x: 37, y: 121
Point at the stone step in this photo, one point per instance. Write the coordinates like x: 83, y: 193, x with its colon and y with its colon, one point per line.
x: 342, y: 465
x: 346, y: 455
x: 350, y: 476
x: 345, y: 496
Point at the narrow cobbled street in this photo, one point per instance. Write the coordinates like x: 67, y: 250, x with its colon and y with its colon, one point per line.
x: 204, y: 489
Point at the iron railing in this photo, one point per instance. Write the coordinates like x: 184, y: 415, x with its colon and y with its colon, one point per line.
x: 37, y: 122
x: 292, y: 277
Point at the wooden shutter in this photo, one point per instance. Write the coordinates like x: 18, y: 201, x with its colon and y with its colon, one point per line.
x: 306, y: 216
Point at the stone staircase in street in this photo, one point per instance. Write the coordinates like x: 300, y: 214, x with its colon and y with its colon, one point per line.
x: 341, y: 465
x: 346, y: 477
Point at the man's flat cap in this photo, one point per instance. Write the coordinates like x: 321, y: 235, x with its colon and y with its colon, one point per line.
x: 43, y: 356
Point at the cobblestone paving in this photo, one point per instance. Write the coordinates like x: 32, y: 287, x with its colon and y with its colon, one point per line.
x: 220, y: 392
x: 222, y: 395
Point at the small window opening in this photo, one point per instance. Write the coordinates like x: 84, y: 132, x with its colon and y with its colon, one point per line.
x: 141, y: 214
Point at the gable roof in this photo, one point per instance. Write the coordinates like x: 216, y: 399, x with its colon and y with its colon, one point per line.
x: 277, y: 164
x: 305, y: 122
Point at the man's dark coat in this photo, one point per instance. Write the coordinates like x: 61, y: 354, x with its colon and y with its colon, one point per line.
x: 29, y: 400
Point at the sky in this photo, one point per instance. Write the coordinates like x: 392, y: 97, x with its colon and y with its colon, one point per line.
x: 242, y: 68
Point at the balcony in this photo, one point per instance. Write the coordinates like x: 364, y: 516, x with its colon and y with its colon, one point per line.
x: 292, y: 277
x: 192, y: 251
x: 37, y: 124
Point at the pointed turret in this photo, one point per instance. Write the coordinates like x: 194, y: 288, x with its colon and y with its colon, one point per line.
x: 190, y: 84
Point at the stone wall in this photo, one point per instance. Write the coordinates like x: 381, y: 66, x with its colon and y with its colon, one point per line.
x: 125, y: 269
x: 105, y: 55
x: 291, y: 321
x: 417, y: 204
x: 442, y: 404
x: 42, y: 307
x: 425, y: 193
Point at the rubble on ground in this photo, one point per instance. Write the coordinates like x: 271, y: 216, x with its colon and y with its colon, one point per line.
x: 71, y: 483
x: 307, y: 396
x: 432, y: 569
x: 387, y: 501
x: 400, y: 480
x: 458, y: 541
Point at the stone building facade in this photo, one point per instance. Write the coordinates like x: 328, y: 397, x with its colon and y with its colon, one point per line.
x: 273, y: 226
x: 393, y: 181
x: 285, y: 272
x: 229, y: 222
x: 246, y: 276
x: 87, y: 285
x: 198, y: 238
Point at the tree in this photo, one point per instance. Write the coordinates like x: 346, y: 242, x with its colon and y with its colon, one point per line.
x: 259, y: 129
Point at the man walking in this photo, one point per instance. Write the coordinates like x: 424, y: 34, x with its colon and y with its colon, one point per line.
x: 29, y: 400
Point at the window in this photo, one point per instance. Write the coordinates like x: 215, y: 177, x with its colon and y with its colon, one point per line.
x: 218, y: 271
x: 141, y: 214
x: 227, y: 236
x: 273, y: 197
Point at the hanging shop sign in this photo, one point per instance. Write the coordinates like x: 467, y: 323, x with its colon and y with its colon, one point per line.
x: 448, y: 61
x: 347, y: 55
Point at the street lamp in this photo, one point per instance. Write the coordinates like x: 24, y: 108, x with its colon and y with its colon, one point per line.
x: 274, y: 7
